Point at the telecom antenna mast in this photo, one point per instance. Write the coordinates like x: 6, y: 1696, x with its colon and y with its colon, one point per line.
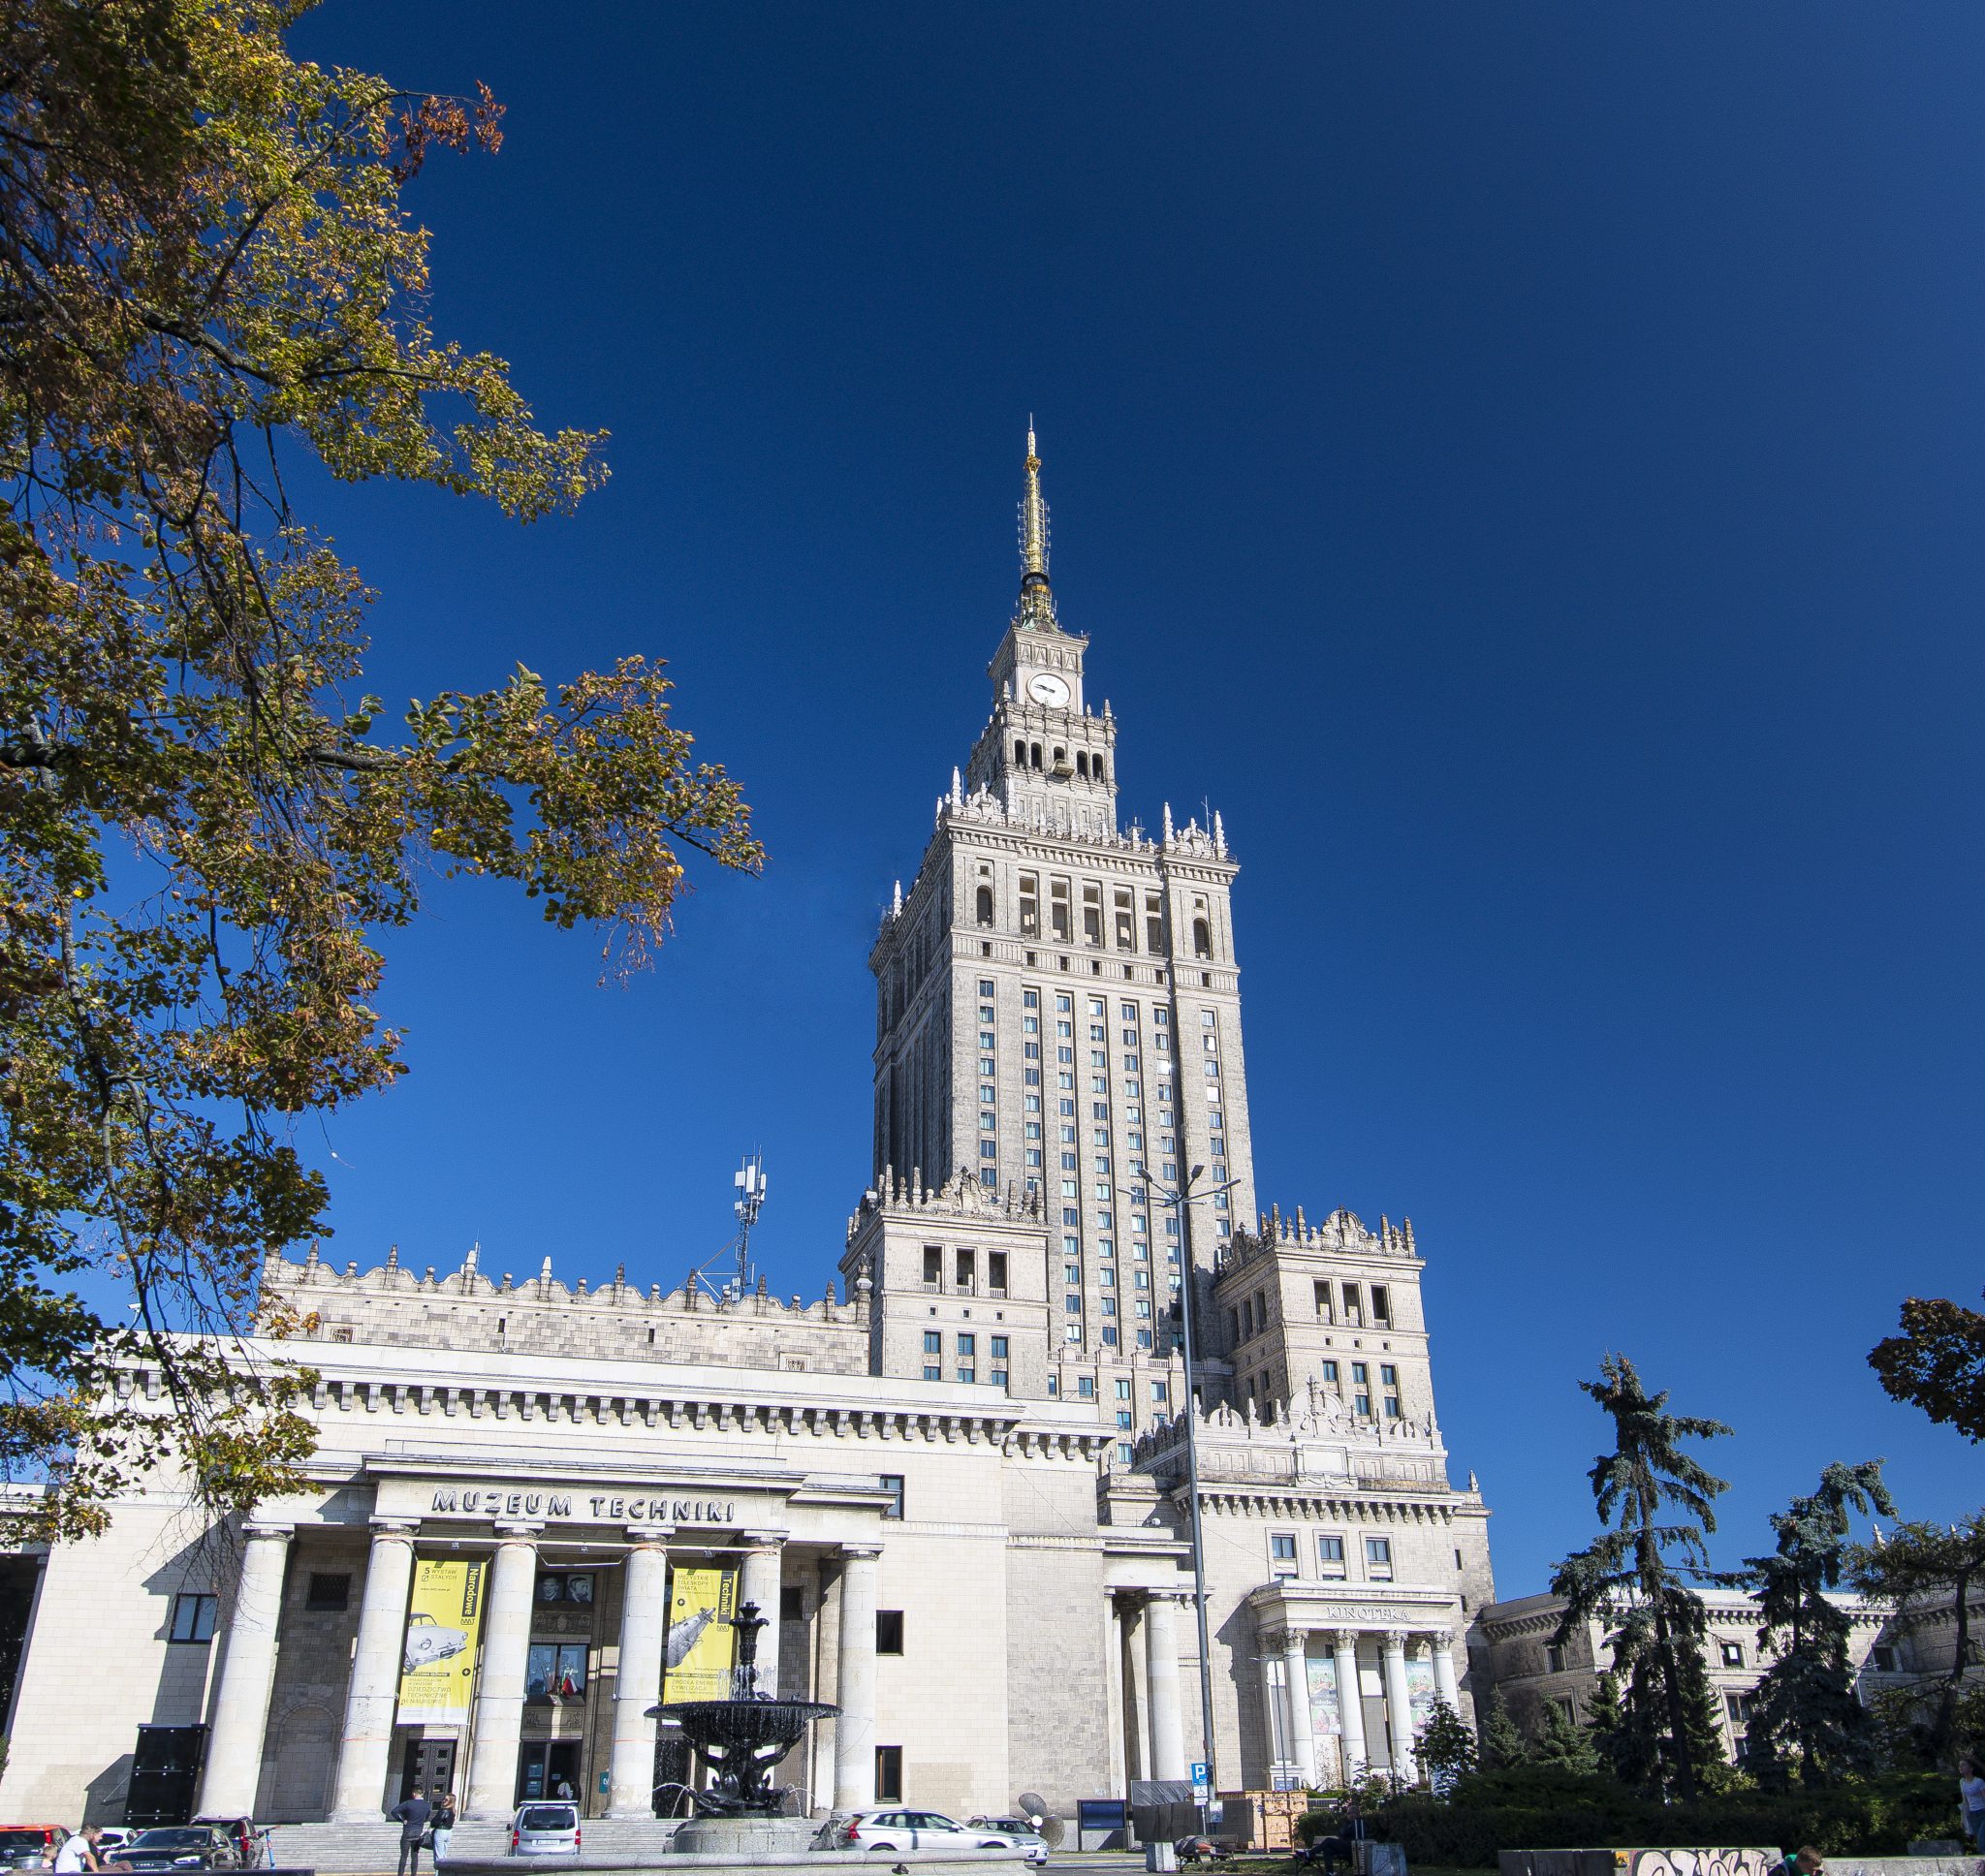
x: 750, y: 1183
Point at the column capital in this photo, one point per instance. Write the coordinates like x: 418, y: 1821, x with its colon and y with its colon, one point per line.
x: 765, y: 1540
x: 1441, y: 1641
x: 266, y: 1528
x: 407, y: 1528
x: 516, y: 1531
x: 649, y: 1537
x: 1396, y: 1640
x: 859, y: 1553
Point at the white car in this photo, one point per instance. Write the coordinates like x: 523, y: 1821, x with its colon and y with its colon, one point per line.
x: 902, y: 1829
x: 427, y: 1642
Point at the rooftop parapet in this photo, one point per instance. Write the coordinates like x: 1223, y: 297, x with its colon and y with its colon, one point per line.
x: 1342, y: 1233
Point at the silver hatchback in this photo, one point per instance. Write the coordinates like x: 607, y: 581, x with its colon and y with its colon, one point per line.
x: 547, y: 1828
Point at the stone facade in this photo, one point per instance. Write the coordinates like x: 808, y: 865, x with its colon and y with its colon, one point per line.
x: 1515, y: 1650
x: 955, y: 1483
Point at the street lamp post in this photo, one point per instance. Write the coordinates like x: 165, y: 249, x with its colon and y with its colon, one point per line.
x: 1177, y: 1198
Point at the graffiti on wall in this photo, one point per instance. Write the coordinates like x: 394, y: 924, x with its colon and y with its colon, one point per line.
x: 1694, y: 1863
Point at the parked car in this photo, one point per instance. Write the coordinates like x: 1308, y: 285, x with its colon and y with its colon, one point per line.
x: 548, y: 1829
x: 249, y: 1839
x: 1019, y: 1829
x: 178, y: 1846
x: 27, y: 1846
x: 905, y: 1830
x: 112, y: 1836
x: 429, y: 1642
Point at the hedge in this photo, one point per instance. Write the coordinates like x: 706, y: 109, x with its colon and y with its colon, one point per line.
x: 1540, y: 1809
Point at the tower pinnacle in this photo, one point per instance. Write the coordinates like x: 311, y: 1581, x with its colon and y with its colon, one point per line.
x: 1036, y: 596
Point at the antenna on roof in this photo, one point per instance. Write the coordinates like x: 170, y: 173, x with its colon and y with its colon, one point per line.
x: 749, y: 1182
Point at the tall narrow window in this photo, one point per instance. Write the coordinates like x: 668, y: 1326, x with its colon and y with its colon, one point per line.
x: 985, y: 905
x: 1091, y: 915
x: 1381, y: 1303
x: 1202, y: 938
x: 1154, y: 923
x: 1059, y: 911
x: 1126, y: 923
x: 1031, y: 905
x: 889, y: 1775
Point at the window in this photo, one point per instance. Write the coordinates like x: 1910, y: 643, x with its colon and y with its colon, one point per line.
x: 1124, y: 1416
x: 1882, y: 1660
x: 889, y: 1631
x: 893, y: 1483
x: 1322, y: 1289
x: 1281, y: 1553
x: 1124, y: 1391
x: 1161, y: 1392
x: 996, y: 1282
x: 554, y: 1672
x: 1086, y: 1386
x: 1381, y: 1303
x: 968, y: 1375
x: 1554, y: 1658
x: 329, y: 1590
x: 1733, y: 1654
x: 1330, y: 1371
x: 1125, y: 1452
x: 792, y: 1602
x: 932, y: 1372
x: 1353, y: 1313
x: 566, y: 1586
x: 889, y: 1775
x: 933, y: 1259
x: 967, y: 1345
x: 1379, y: 1558
x: 193, y: 1619
x: 934, y: 1341
x: 998, y: 1348
x: 1330, y: 1554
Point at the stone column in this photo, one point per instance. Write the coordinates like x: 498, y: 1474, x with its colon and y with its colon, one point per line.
x: 638, y: 1680
x: 373, y: 1695
x: 1350, y: 1703
x: 759, y: 1581
x: 241, y: 1709
x: 1161, y: 1686
x: 1398, y: 1710
x: 499, y: 1686
x: 1296, y: 1674
x: 1445, y: 1686
x: 854, y: 1732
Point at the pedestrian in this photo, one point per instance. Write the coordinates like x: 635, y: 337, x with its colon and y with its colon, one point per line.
x: 1804, y: 1862
x: 412, y: 1815
x: 1972, y: 1796
x: 565, y: 1789
x: 443, y: 1826
x: 80, y: 1852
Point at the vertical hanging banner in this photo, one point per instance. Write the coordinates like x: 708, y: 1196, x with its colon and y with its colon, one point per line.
x: 701, y: 1645
x: 438, y: 1660
x: 1420, y: 1692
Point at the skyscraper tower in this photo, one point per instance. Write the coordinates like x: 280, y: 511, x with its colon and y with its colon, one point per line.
x: 1057, y: 999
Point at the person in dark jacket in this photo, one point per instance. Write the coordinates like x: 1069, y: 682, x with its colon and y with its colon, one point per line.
x: 413, y: 1817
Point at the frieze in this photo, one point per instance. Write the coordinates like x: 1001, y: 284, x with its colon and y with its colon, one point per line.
x: 581, y: 1507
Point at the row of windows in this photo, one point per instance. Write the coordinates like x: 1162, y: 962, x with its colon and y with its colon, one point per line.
x: 1123, y: 913
x: 1332, y: 1556
x: 966, y: 1362
x: 965, y: 1270
x: 1086, y: 767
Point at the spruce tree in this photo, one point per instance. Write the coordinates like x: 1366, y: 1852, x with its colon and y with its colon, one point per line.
x: 1805, y: 1716
x: 1446, y: 1747
x: 1502, y: 1743
x: 1640, y: 1573
x: 1565, y: 1745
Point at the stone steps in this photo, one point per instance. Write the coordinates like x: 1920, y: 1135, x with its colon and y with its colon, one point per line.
x: 349, y: 1848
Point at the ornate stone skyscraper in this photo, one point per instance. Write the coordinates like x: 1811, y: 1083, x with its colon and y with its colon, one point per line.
x: 1057, y: 998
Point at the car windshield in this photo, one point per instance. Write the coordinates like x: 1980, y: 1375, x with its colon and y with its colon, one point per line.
x: 22, y: 1839
x: 546, y: 1817
x: 175, y: 1839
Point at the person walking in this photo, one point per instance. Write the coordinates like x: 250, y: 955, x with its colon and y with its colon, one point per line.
x: 413, y: 1816
x: 1971, y: 1796
x: 80, y: 1852
x: 443, y: 1826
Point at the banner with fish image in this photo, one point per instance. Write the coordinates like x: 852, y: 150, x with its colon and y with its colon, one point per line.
x: 702, y: 1647
x: 438, y: 1657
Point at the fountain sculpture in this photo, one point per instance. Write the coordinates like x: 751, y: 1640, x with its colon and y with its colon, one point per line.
x: 737, y: 1741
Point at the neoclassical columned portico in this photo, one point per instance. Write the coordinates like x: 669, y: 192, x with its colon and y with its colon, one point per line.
x: 638, y: 1678
x: 370, y: 1699
x: 1363, y: 1636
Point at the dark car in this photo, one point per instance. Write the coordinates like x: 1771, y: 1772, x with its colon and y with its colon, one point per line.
x: 27, y: 1846
x: 178, y: 1846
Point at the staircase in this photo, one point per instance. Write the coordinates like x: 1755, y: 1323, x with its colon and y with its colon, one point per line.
x: 366, y: 1849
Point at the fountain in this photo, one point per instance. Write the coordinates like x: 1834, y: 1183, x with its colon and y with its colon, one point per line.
x: 739, y: 1741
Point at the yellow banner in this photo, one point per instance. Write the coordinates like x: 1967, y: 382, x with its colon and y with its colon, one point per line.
x: 438, y: 1662
x: 701, y: 1645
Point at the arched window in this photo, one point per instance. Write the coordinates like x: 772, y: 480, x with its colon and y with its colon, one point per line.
x: 1020, y: 753
x: 1096, y: 766
x: 1202, y: 939
x: 1035, y: 755
x: 985, y: 905
x: 1082, y: 764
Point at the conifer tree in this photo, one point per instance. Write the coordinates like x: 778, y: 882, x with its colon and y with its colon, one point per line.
x: 1804, y: 1715
x: 1565, y: 1745
x: 1502, y: 1742
x: 1446, y: 1747
x: 1640, y: 1574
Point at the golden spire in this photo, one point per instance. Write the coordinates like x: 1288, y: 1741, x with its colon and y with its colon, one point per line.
x: 1036, y: 596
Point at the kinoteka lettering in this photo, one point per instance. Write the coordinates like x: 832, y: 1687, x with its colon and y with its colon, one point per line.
x: 603, y: 1507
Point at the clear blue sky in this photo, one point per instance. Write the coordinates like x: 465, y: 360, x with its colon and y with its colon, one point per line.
x: 1522, y: 464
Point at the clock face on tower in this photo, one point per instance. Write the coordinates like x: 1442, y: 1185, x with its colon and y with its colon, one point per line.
x: 1045, y: 687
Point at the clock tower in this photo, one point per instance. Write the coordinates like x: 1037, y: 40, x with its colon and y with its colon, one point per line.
x: 1058, y: 1012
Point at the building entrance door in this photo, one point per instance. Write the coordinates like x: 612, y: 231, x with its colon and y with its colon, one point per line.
x: 429, y: 1767
x: 546, y: 1765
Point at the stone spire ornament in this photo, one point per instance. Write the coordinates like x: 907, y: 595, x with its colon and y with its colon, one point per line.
x: 1036, y: 596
